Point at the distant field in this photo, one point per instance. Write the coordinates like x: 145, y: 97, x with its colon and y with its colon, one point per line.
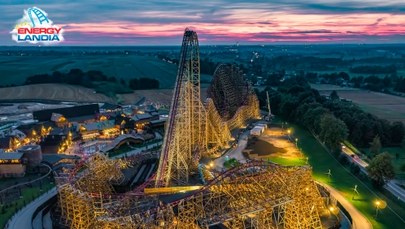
x: 64, y: 92
x: 57, y: 92
x: 382, y: 105
x: 15, y: 69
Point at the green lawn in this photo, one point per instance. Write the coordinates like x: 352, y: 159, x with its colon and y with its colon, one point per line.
x: 344, y: 181
x: 288, y: 161
x: 231, y: 163
x: 28, y: 195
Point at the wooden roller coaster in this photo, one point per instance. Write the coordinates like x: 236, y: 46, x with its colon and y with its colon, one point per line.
x: 253, y: 195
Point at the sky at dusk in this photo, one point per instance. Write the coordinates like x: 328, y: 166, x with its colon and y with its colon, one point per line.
x: 151, y: 22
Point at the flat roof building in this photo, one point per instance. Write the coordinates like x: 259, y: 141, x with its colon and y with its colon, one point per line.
x: 11, y: 165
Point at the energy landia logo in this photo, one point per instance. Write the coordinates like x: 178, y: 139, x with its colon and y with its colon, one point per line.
x: 36, y: 28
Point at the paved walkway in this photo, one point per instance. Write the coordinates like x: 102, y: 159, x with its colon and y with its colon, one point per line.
x: 235, y: 152
x: 359, y: 220
x: 22, y: 219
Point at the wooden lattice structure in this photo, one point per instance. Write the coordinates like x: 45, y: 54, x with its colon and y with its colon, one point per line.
x: 253, y: 195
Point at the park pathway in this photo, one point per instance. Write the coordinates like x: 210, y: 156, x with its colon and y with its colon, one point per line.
x: 359, y: 221
x: 23, y: 218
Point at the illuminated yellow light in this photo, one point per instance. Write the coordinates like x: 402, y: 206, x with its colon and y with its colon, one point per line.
x: 211, y: 164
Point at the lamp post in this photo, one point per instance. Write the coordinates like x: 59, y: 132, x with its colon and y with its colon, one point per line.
x: 379, y: 204
x: 296, y: 142
x: 334, y: 210
x: 211, y: 164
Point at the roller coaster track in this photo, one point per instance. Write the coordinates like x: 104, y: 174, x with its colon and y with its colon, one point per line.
x: 39, y: 14
x: 257, y: 193
x: 174, y: 164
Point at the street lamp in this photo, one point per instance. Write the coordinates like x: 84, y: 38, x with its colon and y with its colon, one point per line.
x: 379, y: 204
x: 334, y: 211
x: 296, y: 142
x: 211, y: 164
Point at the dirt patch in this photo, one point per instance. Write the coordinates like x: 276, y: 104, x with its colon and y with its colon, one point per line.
x: 274, y: 142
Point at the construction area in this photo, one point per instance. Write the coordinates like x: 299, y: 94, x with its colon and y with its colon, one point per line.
x: 180, y: 190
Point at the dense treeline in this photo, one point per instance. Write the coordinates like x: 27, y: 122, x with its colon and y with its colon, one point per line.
x: 206, y: 65
x: 90, y: 79
x: 331, y: 119
x: 388, y: 84
x: 74, y: 76
x: 374, y: 69
x: 143, y: 84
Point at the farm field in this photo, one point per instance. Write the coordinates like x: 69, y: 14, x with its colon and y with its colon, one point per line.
x: 15, y: 69
x: 65, y: 92
x: 55, y: 92
x: 385, y: 106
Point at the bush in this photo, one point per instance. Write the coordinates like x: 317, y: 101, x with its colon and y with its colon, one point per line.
x: 355, y: 169
x: 403, y: 168
x: 343, y: 159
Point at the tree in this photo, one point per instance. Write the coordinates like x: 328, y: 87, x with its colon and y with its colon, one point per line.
x: 380, y: 169
x: 333, y: 131
x: 403, y: 167
x: 375, y: 147
x: 355, y: 169
x: 397, y: 132
x: 334, y: 95
x: 123, y: 82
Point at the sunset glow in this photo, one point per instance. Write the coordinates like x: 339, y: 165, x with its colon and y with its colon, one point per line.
x: 227, y: 21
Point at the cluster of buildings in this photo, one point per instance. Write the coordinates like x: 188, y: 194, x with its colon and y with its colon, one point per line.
x: 57, y: 131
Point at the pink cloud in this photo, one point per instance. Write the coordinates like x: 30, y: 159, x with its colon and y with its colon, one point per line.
x: 259, y: 26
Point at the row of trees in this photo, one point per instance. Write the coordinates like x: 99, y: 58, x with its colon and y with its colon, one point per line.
x: 388, y: 83
x: 363, y: 126
x: 296, y: 101
x: 329, y: 120
x: 74, y: 76
x: 375, y: 83
x: 87, y: 79
x: 374, y: 69
x: 143, y: 84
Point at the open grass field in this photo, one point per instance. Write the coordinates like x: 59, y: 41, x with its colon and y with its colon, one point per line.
x: 56, y: 92
x: 15, y: 69
x: 342, y: 180
x: 385, y: 106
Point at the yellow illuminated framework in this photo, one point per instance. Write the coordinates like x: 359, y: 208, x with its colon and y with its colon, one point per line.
x: 256, y: 194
